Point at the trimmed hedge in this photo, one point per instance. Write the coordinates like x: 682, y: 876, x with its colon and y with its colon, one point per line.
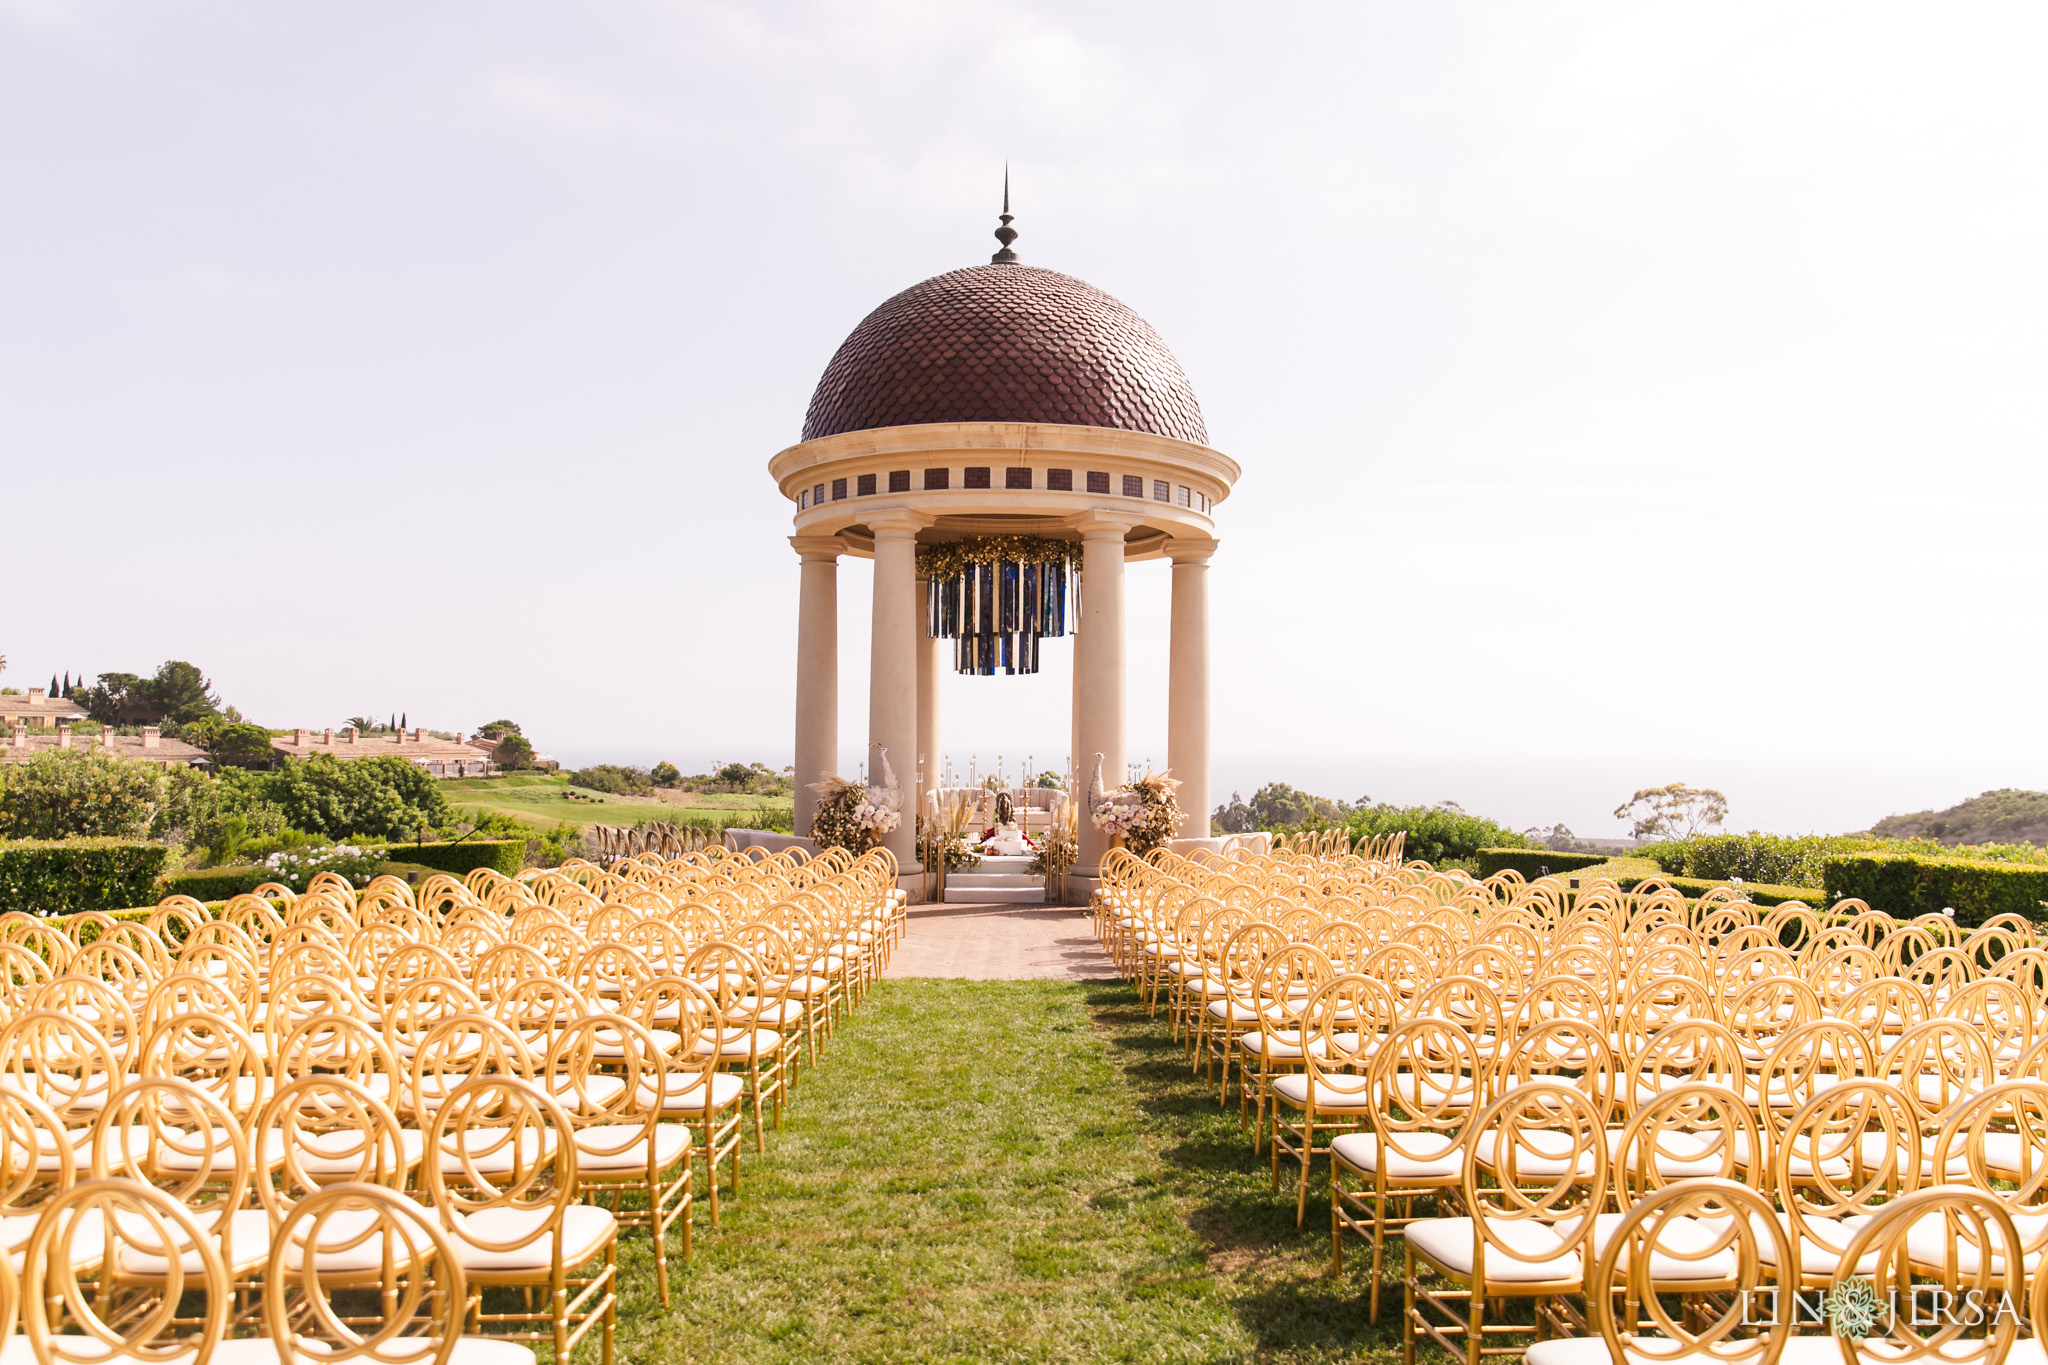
x: 1905, y: 886
x: 66, y: 876
x: 500, y: 855
x: 1530, y: 862
x: 1757, y: 893
x: 215, y: 883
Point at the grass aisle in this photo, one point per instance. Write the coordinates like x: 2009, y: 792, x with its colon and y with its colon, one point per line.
x: 1003, y: 1171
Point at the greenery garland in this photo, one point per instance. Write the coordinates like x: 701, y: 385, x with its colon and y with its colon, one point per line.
x: 950, y: 557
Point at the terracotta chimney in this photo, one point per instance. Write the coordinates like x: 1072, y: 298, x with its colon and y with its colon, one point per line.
x: 35, y: 694
x: 327, y: 735
x: 419, y: 734
x: 106, y: 736
x: 19, y: 737
x: 299, y: 738
x: 63, y: 734
x: 459, y: 737
x: 352, y: 733
x: 152, y: 737
x: 398, y: 736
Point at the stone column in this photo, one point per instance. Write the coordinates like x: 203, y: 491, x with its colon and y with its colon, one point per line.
x: 1101, y: 665
x: 1187, y: 685
x: 931, y: 665
x: 892, y: 668
x: 817, y: 669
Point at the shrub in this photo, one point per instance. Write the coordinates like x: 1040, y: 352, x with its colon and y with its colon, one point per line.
x: 501, y: 855
x: 1800, y: 860
x: 215, y: 883
x: 218, y: 814
x: 666, y: 774
x: 1906, y: 885
x: 613, y: 780
x: 79, y: 793
x: 365, y: 798
x: 1760, y: 893
x: 61, y: 877
x: 1531, y: 862
x: 1435, y: 833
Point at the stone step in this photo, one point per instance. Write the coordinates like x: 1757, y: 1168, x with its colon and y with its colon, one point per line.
x: 1033, y: 894
x: 993, y: 880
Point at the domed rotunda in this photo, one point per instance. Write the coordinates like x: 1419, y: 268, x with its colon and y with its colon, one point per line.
x: 993, y: 438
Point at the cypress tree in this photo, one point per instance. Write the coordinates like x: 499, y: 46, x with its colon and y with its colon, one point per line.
x: 54, y: 690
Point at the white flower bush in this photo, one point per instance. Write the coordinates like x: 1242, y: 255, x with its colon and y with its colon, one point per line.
x: 295, y: 867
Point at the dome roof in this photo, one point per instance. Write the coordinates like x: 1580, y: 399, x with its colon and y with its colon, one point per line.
x: 1005, y: 343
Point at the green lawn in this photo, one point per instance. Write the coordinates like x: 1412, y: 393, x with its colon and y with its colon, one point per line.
x: 542, y: 800
x: 1003, y: 1171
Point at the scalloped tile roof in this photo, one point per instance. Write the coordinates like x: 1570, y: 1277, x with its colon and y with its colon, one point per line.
x: 1005, y: 343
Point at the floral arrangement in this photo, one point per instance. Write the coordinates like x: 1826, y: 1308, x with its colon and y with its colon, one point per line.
x: 295, y: 867
x: 853, y: 815
x: 1143, y: 813
x: 945, y: 834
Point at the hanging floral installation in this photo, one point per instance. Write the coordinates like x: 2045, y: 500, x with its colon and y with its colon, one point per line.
x: 854, y: 815
x: 1143, y: 813
x: 996, y: 597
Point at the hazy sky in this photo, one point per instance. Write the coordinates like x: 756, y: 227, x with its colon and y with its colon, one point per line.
x: 1625, y: 393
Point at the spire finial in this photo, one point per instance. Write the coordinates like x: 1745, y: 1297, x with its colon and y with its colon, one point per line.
x: 1006, y: 234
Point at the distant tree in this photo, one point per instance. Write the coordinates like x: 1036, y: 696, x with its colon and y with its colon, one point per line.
x: 403, y: 720
x: 111, y: 700
x: 181, y: 693
x: 1277, y: 805
x: 498, y: 729
x: 514, y: 753
x: 67, y: 684
x: 1049, y: 778
x: 230, y: 743
x: 1673, y: 812
x: 53, y: 686
x: 666, y: 774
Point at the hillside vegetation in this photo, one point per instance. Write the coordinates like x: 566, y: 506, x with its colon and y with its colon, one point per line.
x: 2005, y: 816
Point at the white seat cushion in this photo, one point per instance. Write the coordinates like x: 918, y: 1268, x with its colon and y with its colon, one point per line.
x: 1680, y: 1235
x: 249, y: 1231
x: 1538, y: 1255
x: 1428, y: 1156
x: 616, y: 1147
x: 686, y: 1095
x: 585, y: 1231
x: 1294, y: 1089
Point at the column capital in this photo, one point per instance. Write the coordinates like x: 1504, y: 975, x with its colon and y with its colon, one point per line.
x: 898, y: 523
x: 1190, y: 549
x: 1102, y: 525
x: 818, y: 549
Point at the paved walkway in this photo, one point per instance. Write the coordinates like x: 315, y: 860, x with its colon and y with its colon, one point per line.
x: 1001, y: 943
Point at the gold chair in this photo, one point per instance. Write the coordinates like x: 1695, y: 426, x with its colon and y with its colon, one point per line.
x: 1427, y: 1079
x: 1967, y: 1316
x: 342, y: 1241
x: 70, y: 1318
x: 506, y: 1191
x: 1524, y: 1236
x: 1701, y: 1242
x: 621, y: 1142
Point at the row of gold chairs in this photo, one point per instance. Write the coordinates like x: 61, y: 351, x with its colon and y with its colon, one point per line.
x: 506, y: 1055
